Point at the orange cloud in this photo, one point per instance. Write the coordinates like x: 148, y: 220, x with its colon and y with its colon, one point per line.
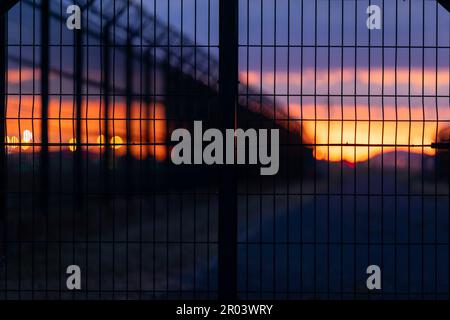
x: 15, y: 76
x: 343, y: 80
x: 357, y: 132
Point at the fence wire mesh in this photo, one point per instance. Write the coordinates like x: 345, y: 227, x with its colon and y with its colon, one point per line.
x: 86, y: 170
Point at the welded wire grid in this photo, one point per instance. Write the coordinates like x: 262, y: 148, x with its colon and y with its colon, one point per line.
x: 106, y: 199
x: 86, y: 160
x: 367, y: 105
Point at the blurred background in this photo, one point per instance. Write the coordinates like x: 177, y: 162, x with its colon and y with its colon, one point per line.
x: 86, y: 176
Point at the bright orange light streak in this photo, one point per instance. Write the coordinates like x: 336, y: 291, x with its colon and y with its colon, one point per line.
x: 24, y: 113
x: 343, y: 132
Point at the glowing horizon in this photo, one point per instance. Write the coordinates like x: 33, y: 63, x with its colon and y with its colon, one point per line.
x: 150, y: 132
x: 363, y: 127
x: 378, y: 123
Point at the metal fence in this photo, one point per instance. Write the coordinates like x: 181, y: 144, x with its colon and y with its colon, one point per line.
x: 86, y: 176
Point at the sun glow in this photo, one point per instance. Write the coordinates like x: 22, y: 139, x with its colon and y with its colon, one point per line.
x: 337, y: 129
x: 148, y: 127
x: 354, y: 129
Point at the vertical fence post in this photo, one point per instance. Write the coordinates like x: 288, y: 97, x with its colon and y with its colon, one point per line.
x: 148, y: 83
x: 44, y: 165
x: 129, y: 101
x: 3, y: 99
x: 228, y: 89
x: 78, y: 105
x: 106, y: 88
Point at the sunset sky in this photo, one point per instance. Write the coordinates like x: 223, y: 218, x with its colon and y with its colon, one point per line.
x: 329, y: 93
